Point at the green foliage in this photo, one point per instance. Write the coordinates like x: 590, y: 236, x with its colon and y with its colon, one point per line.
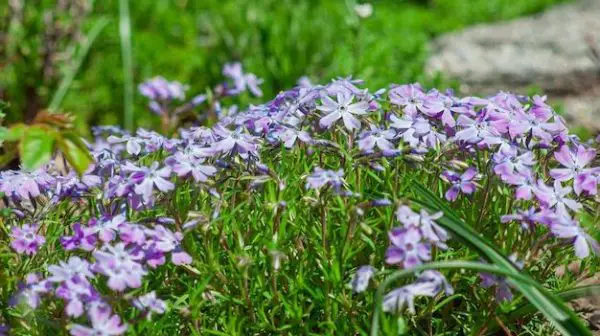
x: 551, y: 306
x: 38, y: 142
x: 190, y: 40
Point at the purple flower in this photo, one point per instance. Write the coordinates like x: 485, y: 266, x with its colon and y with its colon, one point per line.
x: 290, y: 136
x: 235, y: 142
x: 321, y: 177
x: 160, y: 89
x: 503, y: 292
x: 163, y: 240
x: 120, y: 265
x: 361, y: 278
x: 132, y: 233
x: 150, y: 303
x: 429, y: 283
x: 525, y: 184
x: 242, y: 80
x: 146, y: 178
x: 77, y: 292
x: 106, y: 227
x: 417, y: 131
x: 103, y: 323
x: 425, y: 222
x: 20, y: 185
x: 480, y: 131
x: 83, y: 238
x: 534, y: 123
x: 527, y: 218
x: 563, y: 226
x: 555, y: 197
x: 74, y: 267
x: 200, y: 135
x: 188, y: 165
x: 376, y: 137
x: 26, y: 240
x: 342, y: 109
x: 508, y: 162
x: 133, y: 144
x: 460, y: 183
x: 574, y: 164
x: 30, y: 293
x: 410, y: 96
x: 407, y: 247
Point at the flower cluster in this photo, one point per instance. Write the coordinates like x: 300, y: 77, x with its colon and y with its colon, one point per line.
x: 506, y: 145
x: 412, y: 243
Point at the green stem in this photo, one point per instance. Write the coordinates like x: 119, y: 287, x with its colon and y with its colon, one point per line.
x: 125, y: 34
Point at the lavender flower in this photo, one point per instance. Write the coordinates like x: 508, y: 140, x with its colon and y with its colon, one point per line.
x: 83, y: 238
x: 162, y: 240
x: 30, y: 293
x: 146, y: 178
x: 574, y: 164
x: 321, y: 177
x: 241, y: 80
x: 77, y: 292
x: 188, y: 165
x: 509, y: 163
x: 555, y: 197
x: 503, y: 292
x: 235, y: 142
x: 342, y: 109
x: 26, y: 240
x: 151, y: 304
x: 563, y: 226
x: 408, y: 247
x: 376, y: 137
x: 410, y: 96
x: 460, y: 183
x: 417, y: 131
x: 103, y: 323
x: 120, y: 265
x: 361, y: 278
x: 74, y: 267
x: 161, y: 90
x: 429, y: 283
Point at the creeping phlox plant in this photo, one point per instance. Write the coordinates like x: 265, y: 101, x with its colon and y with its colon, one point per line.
x: 284, y: 217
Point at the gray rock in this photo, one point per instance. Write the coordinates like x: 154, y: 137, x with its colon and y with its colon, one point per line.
x: 550, y: 50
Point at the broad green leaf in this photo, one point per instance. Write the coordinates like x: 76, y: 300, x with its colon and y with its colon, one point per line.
x: 555, y: 310
x: 36, y: 147
x: 13, y: 133
x: 75, y: 152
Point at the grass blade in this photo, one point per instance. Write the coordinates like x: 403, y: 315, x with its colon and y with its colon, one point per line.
x: 555, y: 310
x: 126, y: 56
x: 567, y: 295
x: 475, y: 266
x: 66, y: 82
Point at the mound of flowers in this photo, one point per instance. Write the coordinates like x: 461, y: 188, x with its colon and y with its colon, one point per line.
x: 283, y: 217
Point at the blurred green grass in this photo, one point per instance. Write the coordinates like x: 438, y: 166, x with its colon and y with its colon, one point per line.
x: 279, y: 40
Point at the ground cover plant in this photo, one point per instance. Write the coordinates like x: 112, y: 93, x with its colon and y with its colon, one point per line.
x: 330, y: 209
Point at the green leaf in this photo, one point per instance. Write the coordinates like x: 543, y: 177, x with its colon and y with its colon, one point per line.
x: 555, y: 310
x: 476, y: 266
x: 75, y: 152
x: 14, y: 133
x: 36, y: 147
x: 567, y: 295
